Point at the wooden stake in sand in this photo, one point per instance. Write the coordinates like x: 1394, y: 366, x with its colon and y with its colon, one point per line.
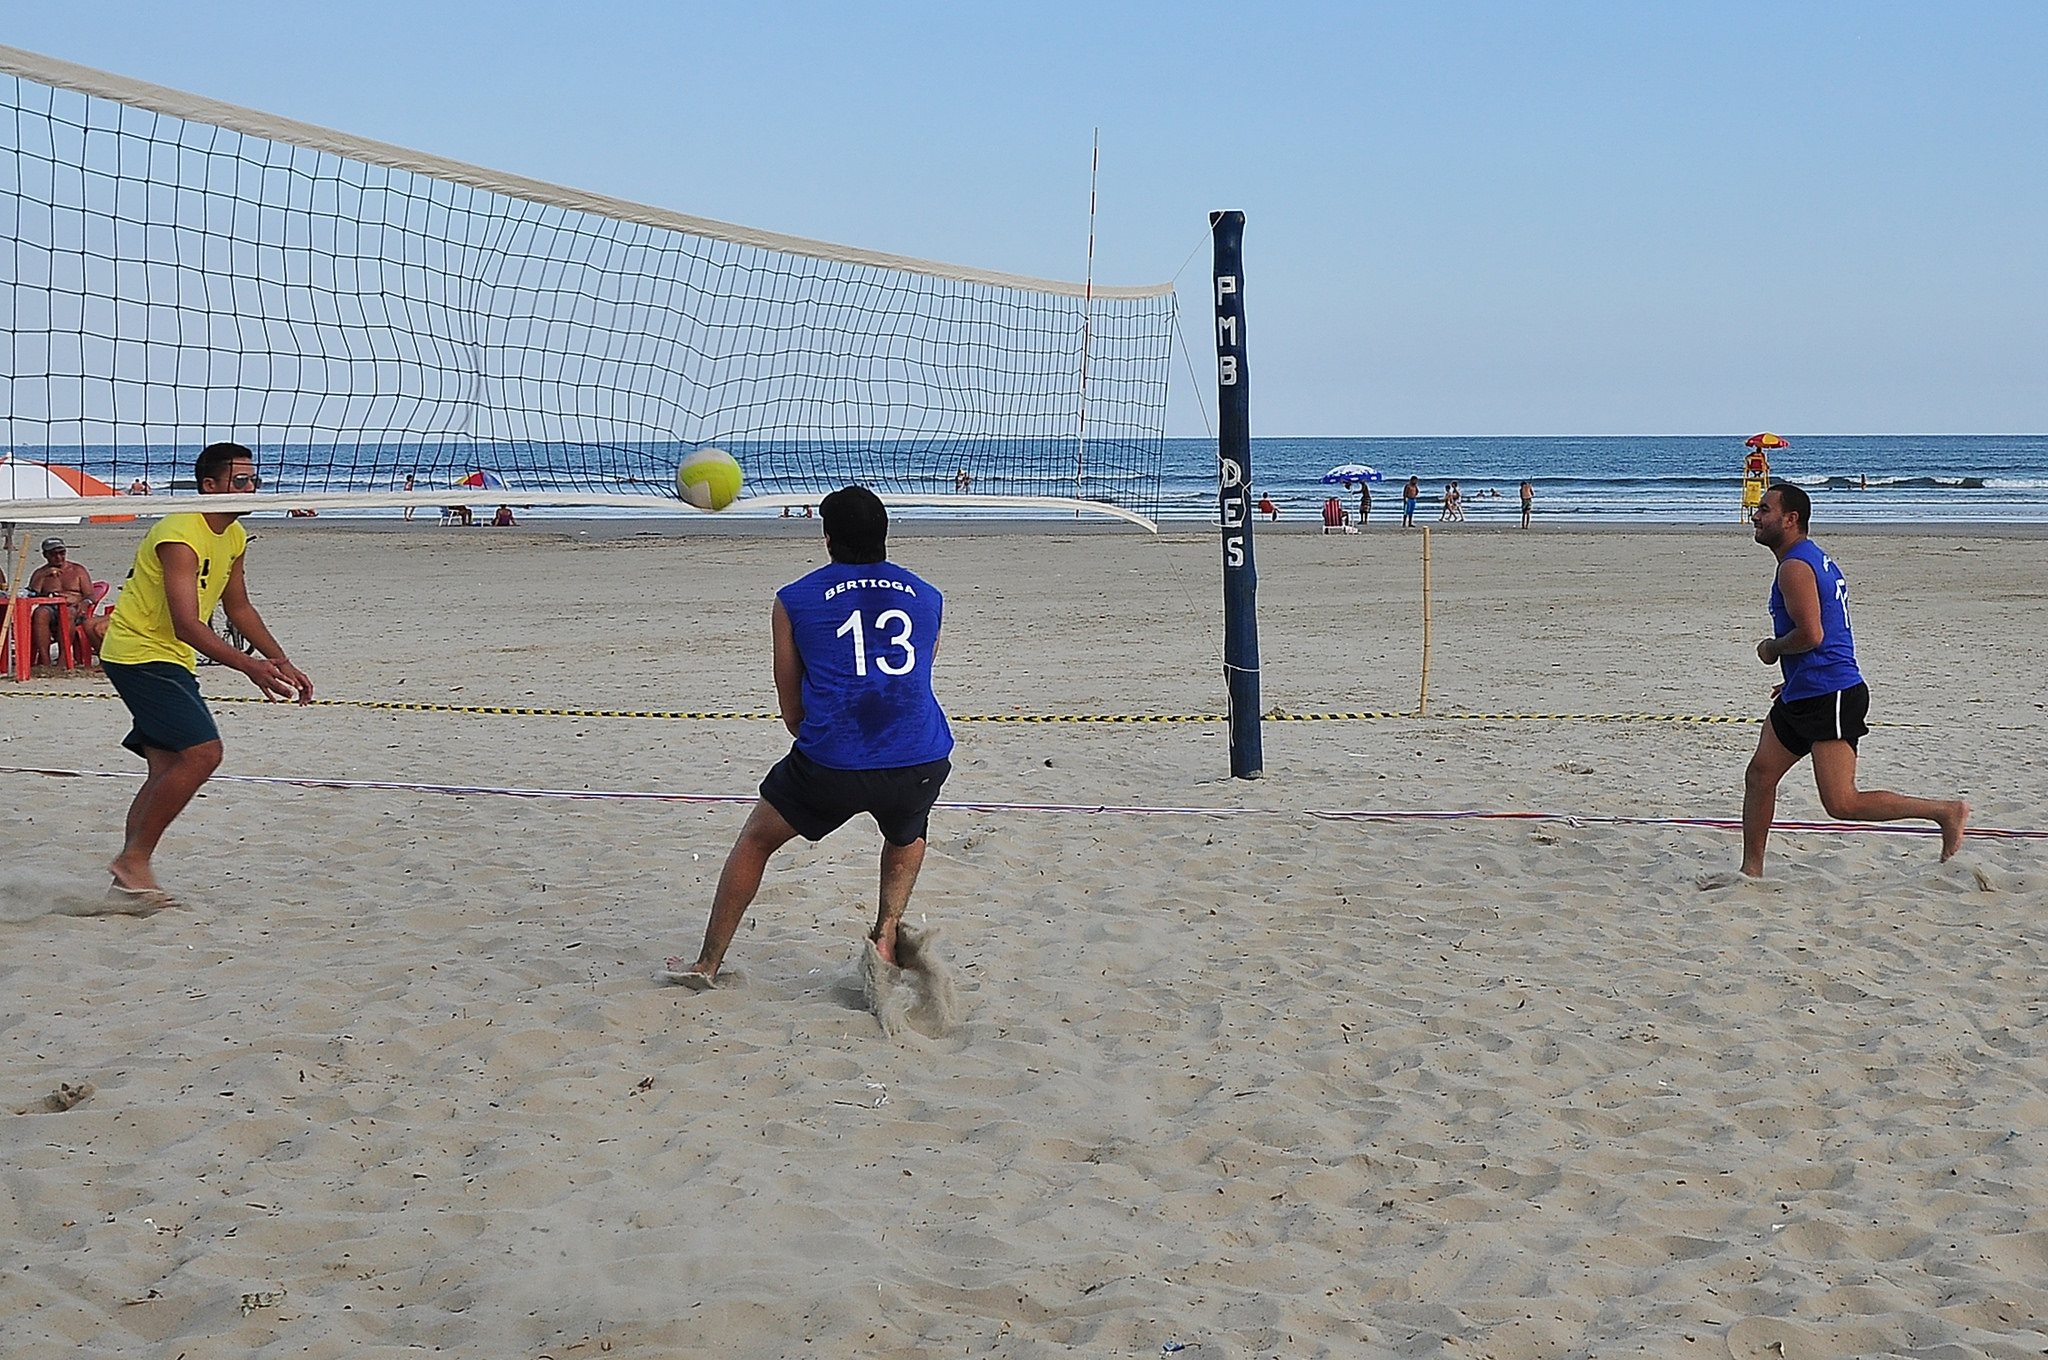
x: 13, y: 593
x: 1422, y: 704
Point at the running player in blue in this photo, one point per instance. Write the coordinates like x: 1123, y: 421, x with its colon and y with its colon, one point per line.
x: 1821, y: 705
x: 853, y: 678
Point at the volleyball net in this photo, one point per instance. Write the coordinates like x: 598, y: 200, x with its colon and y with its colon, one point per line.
x: 179, y: 270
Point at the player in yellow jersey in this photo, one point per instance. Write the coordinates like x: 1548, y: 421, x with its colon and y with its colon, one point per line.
x: 185, y: 566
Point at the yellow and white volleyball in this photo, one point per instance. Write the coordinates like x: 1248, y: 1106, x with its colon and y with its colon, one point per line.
x: 708, y: 479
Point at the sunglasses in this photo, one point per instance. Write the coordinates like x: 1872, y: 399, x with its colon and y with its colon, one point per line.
x: 245, y: 481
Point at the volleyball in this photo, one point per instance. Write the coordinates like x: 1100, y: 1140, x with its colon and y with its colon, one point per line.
x: 708, y: 479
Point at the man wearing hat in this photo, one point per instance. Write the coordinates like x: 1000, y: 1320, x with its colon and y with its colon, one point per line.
x: 62, y: 577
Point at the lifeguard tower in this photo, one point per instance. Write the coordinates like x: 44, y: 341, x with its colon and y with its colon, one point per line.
x: 1756, y: 469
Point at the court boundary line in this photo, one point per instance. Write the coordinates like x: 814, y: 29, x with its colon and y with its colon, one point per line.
x: 1083, y: 809
x: 1022, y: 719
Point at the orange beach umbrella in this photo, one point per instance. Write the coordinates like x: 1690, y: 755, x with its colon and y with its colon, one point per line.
x: 85, y: 484
x: 1766, y: 441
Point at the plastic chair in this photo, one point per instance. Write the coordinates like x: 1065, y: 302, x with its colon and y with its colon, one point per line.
x: 74, y: 645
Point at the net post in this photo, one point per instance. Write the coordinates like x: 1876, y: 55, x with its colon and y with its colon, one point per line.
x: 1422, y: 702
x: 1234, y: 491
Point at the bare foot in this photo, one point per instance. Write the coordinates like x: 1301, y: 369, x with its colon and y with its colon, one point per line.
x: 133, y: 875
x: 1726, y: 878
x: 1955, y: 818
x: 687, y: 974
x: 885, y: 944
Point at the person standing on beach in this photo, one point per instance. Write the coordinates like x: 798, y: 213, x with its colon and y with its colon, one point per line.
x: 1528, y: 501
x: 1820, y: 706
x: 408, y: 486
x: 1364, y: 503
x: 185, y: 566
x: 853, y: 678
x: 1410, y: 494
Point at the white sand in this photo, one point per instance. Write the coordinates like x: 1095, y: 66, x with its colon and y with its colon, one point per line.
x: 397, y: 1074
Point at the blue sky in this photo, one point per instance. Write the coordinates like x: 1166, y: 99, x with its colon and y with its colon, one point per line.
x: 1463, y: 218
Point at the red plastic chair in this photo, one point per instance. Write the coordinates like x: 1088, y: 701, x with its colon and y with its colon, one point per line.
x: 74, y: 645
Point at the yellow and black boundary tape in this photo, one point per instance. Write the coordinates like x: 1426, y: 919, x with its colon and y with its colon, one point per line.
x: 1276, y: 715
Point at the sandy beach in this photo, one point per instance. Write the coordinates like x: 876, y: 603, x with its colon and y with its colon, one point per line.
x: 1238, y: 1079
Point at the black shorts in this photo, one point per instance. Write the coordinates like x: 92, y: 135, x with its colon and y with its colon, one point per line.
x: 163, y: 698
x: 818, y: 800
x: 1824, y: 717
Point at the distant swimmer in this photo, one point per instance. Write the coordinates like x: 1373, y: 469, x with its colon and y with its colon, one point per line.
x: 853, y: 679
x: 1821, y: 704
x: 185, y: 566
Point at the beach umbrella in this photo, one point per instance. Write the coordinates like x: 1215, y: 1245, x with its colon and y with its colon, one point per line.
x: 25, y: 481
x: 1348, y: 473
x: 484, y: 481
x: 85, y: 484
x: 1766, y: 441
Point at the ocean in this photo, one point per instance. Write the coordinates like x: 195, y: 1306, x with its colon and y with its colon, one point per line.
x: 1592, y: 481
x: 1673, y: 479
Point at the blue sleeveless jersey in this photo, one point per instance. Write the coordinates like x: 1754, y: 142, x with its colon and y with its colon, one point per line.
x: 1832, y: 665
x: 865, y: 633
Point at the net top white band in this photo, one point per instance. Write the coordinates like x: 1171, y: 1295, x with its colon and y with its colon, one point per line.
x: 70, y: 509
x: 194, y: 108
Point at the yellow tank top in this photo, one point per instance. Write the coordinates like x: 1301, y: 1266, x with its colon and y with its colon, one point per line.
x: 140, y: 629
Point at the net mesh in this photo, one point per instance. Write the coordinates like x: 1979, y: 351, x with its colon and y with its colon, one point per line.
x: 167, y: 282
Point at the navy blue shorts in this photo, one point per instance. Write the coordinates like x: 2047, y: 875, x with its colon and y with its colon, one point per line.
x: 1835, y: 716
x: 817, y: 800
x: 163, y: 698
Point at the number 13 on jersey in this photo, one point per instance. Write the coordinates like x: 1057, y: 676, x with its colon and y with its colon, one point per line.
x: 891, y: 646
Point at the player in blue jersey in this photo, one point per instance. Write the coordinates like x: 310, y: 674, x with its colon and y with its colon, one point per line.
x: 853, y: 678
x: 1821, y: 705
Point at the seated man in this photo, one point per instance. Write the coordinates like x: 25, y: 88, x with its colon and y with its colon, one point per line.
x: 503, y: 519
x: 62, y: 577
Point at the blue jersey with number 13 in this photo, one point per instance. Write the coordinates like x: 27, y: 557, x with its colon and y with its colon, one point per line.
x: 865, y: 633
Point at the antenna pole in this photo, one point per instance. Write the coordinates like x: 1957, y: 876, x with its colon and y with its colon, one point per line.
x: 1087, y: 324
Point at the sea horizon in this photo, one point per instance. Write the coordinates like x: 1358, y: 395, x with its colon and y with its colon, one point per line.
x: 1592, y: 479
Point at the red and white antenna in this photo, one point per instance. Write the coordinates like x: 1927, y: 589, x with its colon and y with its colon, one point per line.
x: 1087, y: 322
